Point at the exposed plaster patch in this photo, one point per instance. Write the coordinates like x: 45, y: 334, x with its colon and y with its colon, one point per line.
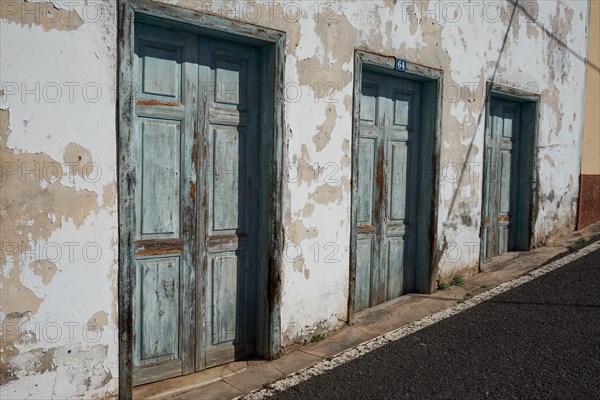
x: 559, y: 58
x: 306, y: 172
x: 37, y: 361
x: 415, y: 8
x: 298, y: 232
x: 98, y: 321
x: 109, y: 195
x: 12, y: 335
x: 325, y: 194
x: 8, y: 351
x: 44, y: 14
x: 348, y: 103
x: 15, y: 297
x: 346, y: 161
x: 43, y: 268
x: 330, y: 72
x: 552, y: 101
x: 308, y: 210
x: 532, y: 31
x: 78, y: 159
x: 299, y: 263
x: 550, y: 160
x: 531, y: 11
x: 323, y: 137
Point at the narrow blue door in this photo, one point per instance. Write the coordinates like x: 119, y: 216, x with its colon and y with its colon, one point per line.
x: 230, y: 100
x: 386, y: 203
x: 166, y: 107
x: 501, y: 167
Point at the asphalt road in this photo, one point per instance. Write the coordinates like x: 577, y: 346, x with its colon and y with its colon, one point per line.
x: 540, y: 340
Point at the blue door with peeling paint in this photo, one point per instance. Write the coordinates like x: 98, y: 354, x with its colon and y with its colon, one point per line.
x: 501, y: 172
x: 196, y: 162
x: 229, y: 79
x: 386, y: 203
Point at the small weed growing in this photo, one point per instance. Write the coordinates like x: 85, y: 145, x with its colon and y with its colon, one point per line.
x: 580, y: 242
x: 444, y: 286
x: 458, y: 280
x: 315, y: 339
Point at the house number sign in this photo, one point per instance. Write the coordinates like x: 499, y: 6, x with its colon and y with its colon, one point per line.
x: 400, y: 64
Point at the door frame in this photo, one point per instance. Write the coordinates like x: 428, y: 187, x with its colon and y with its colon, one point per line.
x: 431, y: 99
x: 272, y: 50
x: 528, y: 122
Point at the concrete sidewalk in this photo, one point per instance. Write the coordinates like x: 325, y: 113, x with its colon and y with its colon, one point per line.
x: 239, y: 378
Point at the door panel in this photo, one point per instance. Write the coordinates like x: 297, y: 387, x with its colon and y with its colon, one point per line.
x: 160, y: 317
x: 166, y: 81
x: 161, y: 69
x: 161, y: 143
x: 228, y: 250
x: 364, y: 252
x: 224, y: 279
x: 385, y: 203
x: 224, y: 146
x: 501, y: 177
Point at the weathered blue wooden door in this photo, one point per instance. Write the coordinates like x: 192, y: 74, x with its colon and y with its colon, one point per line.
x: 229, y: 81
x: 196, y: 146
x: 501, y: 171
x: 386, y: 203
x: 165, y: 116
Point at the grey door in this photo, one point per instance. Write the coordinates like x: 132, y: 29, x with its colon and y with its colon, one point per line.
x: 195, y: 141
x: 386, y: 199
x: 501, y: 172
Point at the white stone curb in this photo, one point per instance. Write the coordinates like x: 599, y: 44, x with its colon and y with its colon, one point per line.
x: 370, y: 345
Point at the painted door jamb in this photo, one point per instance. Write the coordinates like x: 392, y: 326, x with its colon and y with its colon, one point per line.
x: 432, y: 80
x: 524, y: 97
x: 273, y: 43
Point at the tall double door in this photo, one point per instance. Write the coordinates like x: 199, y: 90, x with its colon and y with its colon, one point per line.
x: 196, y: 149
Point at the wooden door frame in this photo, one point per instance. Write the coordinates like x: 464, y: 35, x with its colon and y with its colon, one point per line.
x: 528, y: 121
x: 272, y: 45
x: 431, y: 99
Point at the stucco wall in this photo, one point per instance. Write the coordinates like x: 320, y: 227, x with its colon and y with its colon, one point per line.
x: 78, y: 205
x: 59, y: 199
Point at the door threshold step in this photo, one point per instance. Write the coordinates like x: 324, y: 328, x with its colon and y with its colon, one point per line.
x: 182, y: 384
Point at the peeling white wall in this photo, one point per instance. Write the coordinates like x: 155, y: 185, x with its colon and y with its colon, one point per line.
x: 59, y: 205
x: 463, y: 39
